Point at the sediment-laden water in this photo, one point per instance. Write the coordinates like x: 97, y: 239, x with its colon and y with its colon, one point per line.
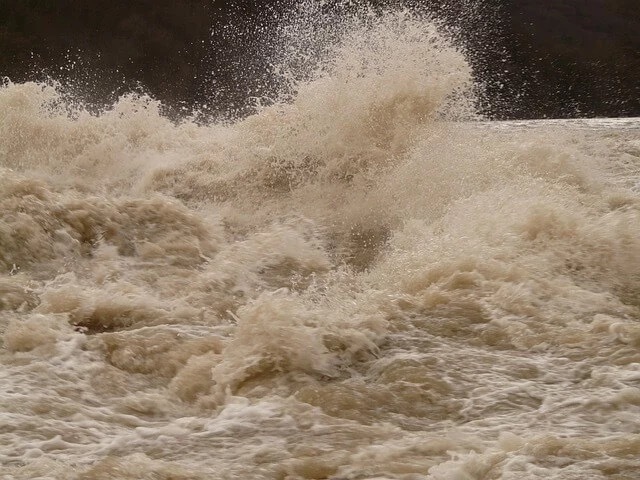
x: 361, y: 281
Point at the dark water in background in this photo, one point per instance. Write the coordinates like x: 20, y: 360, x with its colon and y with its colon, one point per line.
x: 533, y: 58
x: 362, y: 282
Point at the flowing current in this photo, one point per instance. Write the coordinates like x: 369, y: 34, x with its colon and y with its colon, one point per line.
x: 359, y: 281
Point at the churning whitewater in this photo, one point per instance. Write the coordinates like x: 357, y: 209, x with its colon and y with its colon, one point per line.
x: 362, y: 280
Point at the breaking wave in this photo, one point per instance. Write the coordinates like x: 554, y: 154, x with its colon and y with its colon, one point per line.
x: 363, y: 279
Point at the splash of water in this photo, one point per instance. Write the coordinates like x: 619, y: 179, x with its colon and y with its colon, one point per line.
x: 361, y: 280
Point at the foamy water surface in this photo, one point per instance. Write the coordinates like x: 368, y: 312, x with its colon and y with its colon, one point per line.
x: 361, y: 281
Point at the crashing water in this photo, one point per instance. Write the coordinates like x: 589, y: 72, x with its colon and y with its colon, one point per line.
x: 364, y: 281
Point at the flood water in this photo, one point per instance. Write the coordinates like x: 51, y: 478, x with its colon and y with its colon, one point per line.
x: 364, y: 280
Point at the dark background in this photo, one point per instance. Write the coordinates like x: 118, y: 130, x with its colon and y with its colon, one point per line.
x: 534, y: 58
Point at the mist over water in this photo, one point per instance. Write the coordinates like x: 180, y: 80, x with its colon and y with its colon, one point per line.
x: 363, y: 280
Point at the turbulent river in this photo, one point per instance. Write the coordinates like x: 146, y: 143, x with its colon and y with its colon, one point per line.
x: 362, y: 280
